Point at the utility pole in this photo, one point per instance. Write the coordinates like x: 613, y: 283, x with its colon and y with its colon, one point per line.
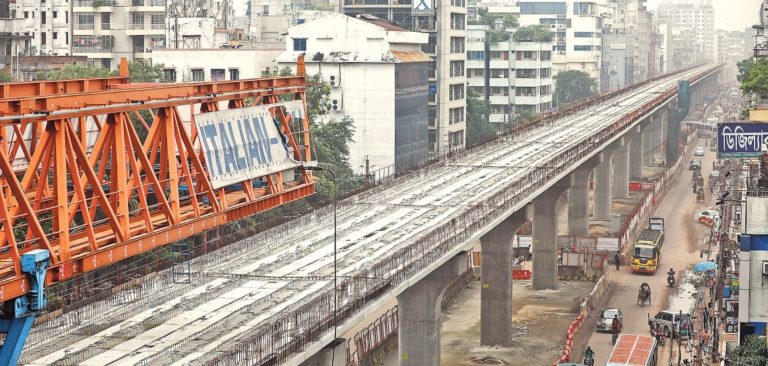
x: 679, y: 339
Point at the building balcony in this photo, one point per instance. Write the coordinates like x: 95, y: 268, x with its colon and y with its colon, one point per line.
x: 532, y: 64
x: 138, y: 29
x: 500, y: 82
x: 498, y: 118
x: 475, y: 64
x: 527, y: 100
x: 499, y: 64
x: 498, y: 99
x: 526, y: 82
x: 84, y: 26
x: 11, y: 26
x: 479, y: 82
x: 142, y: 3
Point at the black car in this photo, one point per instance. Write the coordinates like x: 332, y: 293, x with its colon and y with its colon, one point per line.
x: 695, y: 164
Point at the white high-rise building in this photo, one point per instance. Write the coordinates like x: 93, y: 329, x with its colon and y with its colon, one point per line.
x: 47, y: 22
x: 445, y: 22
x: 695, y: 16
x: 518, y: 79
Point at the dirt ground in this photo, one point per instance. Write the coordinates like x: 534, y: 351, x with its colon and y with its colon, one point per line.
x: 541, y: 318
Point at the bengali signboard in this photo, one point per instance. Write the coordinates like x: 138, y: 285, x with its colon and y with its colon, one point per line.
x: 607, y: 244
x: 243, y: 143
x: 741, y: 139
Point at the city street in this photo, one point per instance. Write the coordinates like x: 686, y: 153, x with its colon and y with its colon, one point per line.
x: 680, y: 251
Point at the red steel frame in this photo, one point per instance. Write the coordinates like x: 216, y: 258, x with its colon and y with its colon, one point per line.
x: 88, y: 203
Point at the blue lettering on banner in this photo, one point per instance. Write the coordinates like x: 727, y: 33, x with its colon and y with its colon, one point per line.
x: 246, y: 143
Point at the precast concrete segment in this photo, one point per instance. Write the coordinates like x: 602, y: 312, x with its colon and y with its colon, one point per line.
x: 578, y: 198
x: 544, y: 246
x: 636, y: 153
x: 496, y: 288
x: 419, y: 315
x: 621, y: 171
x: 371, y: 227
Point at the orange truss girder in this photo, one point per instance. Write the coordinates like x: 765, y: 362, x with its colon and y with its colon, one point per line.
x: 88, y: 188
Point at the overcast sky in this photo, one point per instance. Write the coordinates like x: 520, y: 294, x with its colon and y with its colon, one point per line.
x: 730, y: 14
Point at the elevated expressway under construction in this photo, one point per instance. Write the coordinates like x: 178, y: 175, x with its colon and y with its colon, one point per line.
x: 269, y: 299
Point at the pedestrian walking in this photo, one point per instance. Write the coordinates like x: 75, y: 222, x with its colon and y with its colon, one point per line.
x: 617, y: 259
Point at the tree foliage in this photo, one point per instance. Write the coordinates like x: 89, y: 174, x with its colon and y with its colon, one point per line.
x: 753, y: 76
x: 479, y: 128
x: 573, y: 85
x: 497, y: 25
x: 4, y: 78
x: 285, y: 71
x: 533, y: 33
x: 754, y: 351
x: 75, y: 72
x: 142, y: 71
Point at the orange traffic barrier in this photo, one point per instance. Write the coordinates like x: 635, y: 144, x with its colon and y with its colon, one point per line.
x: 521, y: 274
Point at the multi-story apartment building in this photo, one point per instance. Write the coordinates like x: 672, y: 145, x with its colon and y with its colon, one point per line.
x: 445, y: 22
x: 695, y: 16
x: 628, y: 24
x: 377, y: 75
x: 47, y: 22
x: 578, y: 30
x: 516, y: 79
x: 107, y: 30
x: 14, y: 38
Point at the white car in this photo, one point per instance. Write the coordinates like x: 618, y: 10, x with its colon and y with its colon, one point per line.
x: 699, y: 151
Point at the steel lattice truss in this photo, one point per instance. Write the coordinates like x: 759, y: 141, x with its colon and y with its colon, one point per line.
x: 100, y: 170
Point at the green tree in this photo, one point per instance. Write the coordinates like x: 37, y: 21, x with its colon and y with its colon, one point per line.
x: 285, y: 71
x: 479, y: 127
x: 497, y: 25
x: 142, y: 71
x: 573, y: 85
x: 533, y: 33
x: 4, y: 78
x: 753, y: 76
x: 754, y: 351
x: 331, y: 139
x: 75, y: 72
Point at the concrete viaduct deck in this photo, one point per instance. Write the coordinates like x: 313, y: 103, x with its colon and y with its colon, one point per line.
x: 269, y: 299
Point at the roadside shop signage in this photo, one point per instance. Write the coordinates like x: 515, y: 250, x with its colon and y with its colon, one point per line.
x: 741, y: 139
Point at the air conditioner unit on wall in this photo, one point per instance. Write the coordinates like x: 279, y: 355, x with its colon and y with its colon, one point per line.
x: 334, y: 81
x: 765, y: 267
x: 336, y: 105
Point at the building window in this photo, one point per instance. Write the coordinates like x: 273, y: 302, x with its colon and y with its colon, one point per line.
x: 55, y: 14
x: 234, y: 74
x: 458, y: 3
x: 26, y: 15
x: 457, y: 44
x: 582, y: 48
x: 545, y: 89
x: 475, y: 55
x: 218, y: 74
x: 42, y: 17
x: 543, y: 8
x: 66, y: 17
x: 55, y: 35
x: 499, y: 91
x: 525, y: 55
x: 545, y: 55
x: 458, y: 21
x: 545, y: 73
x: 583, y: 34
x: 456, y: 139
x: 456, y: 115
x: 499, y: 73
x: 105, y: 20
x: 525, y: 91
x: 581, y: 8
x: 66, y: 38
x: 525, y: 73
x: 299, y: 44
x: 265, y: 10
x: 198, y: 74
x: 475, y: 73
x: 84, y: 22
x: 456, y: 92
x: 169, y: 75
x: 457, y: 68
x: 499, y: 55
x: 43, y: 40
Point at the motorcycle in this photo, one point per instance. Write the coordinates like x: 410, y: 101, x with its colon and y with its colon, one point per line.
x: 671, y: 280
x: 589, y: 361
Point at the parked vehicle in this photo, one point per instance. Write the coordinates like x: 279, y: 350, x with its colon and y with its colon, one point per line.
x: 646, y: 251
x: 709, y: 214
x: 605, y: 320
x: 695, y: 164
x: 667, y: 320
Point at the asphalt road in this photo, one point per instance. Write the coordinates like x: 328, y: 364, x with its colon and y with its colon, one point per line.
x: 680, y: 250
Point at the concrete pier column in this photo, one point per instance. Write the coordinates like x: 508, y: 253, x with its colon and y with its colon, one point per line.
x: 545, y: 235
x: 647, y: 158
x: 419, y: 314
x: 578, y: 198
x: 636, y: 152
x: 496, y: 289
x: 621, y: 171
x: 601, y: 209
x: 662, y: 136
x: 334, y: 354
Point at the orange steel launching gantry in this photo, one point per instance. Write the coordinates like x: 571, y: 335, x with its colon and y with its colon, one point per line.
x: 95, y: 171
